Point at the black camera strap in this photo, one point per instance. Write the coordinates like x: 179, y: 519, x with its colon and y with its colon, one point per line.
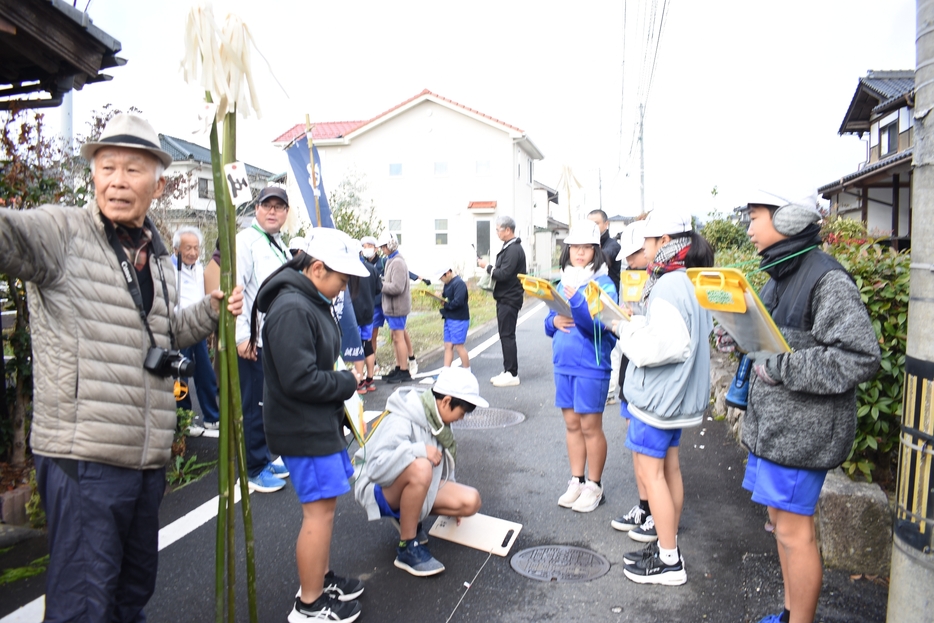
x: 132, y: 281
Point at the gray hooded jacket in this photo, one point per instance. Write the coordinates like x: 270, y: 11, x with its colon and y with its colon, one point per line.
x: 399, y: 439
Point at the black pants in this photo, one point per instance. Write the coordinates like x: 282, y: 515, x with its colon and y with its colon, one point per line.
x: 506, y: 317
x: 103, y: 539
x: 251, y: 399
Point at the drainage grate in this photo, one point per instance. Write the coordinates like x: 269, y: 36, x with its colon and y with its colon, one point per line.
x: 489, y: 418
x: 560, y: 563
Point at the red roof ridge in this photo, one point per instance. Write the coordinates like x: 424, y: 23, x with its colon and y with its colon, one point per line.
x: 329, y: 129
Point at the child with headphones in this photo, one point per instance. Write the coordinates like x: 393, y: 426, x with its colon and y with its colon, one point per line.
x: 801, y: 409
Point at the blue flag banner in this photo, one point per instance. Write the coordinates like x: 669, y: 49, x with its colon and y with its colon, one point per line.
x: 351, y: 345
x: 301, y: 169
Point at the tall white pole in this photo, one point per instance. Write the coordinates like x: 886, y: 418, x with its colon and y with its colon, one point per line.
x: 67, y: 110
x: 641, y: 160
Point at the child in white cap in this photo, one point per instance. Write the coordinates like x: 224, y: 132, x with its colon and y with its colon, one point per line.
x: 581, y: 348
x: 667, y: 387
x: 456, y: 314
x: 303, y: 406
x: 406, y: 469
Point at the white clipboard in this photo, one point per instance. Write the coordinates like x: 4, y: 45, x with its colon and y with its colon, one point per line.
x: 482, y: 532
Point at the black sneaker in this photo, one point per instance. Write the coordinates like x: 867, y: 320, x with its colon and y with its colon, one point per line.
x: 324, y: 608
x: 654, y: 571
x: 640, y: 555
x: 395, y: 372
x: 402, y: 376
x: 342, y: 589
x: 646, y: 532
x: 630, y: 521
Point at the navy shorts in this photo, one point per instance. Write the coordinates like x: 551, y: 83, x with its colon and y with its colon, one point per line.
x: 583, y: 394
x: 319, y: 477
x: 455, y: 331
x: 651, y: 441
x: 785, y: 488
x: 396, y: 323
x: 366, y: 332
x: 378, y: 318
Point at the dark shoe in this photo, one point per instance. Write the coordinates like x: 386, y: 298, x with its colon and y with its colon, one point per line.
x: 395, y: 372
x: 324, y: 608
x: 420, y: 535
x: 654, y: 571
x: 361, y: 387
x: 342, y: 589
x: 402, y: 377
x: 646, y: 532
x: 417, y: 560
x: 634, y: 558
x: 630, y: 521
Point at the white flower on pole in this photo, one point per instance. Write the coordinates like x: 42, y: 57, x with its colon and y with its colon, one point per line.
x: 219, y: 60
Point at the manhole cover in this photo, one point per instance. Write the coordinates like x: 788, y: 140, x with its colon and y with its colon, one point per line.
x: 560, y: 563
x: 489, y: 418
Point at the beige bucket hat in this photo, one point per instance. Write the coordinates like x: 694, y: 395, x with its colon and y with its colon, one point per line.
x: 126, y: 130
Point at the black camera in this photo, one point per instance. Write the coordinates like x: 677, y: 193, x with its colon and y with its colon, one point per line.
x: 162, y: 362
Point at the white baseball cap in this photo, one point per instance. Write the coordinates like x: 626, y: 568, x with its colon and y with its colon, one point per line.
x: 336, y: 249
x: 632, y: 239
x: 584, y: 232
x: 459, y: 383
x: 668, y: 222
x: 298, y: 243
x: 386, y: 239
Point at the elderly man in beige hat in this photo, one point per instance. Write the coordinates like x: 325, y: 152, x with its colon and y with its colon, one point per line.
x: 102, y: 296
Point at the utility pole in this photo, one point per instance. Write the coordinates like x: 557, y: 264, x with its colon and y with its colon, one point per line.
x: 641, y: 160
x: 911, y: 589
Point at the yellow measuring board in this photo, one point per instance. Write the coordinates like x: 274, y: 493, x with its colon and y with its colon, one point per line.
x: 736, y: 306
x: 602, y: 306
x: 544, y: 290
x: 631, y: 284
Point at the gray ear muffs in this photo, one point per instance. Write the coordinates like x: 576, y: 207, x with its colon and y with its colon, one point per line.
x: 792, y: 218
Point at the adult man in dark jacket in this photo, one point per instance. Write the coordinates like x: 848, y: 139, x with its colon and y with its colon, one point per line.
x: 508, y: 293
x: 609, y: 245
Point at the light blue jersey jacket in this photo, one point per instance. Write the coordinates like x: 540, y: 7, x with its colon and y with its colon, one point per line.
x: 668, y: 378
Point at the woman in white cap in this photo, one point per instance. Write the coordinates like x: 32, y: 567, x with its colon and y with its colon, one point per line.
x: 667, y: 387
x: 581, y: 348
x: 303, y: 402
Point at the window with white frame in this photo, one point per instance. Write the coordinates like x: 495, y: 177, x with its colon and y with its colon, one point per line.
x: 395, y: 226
x: 205, y: 188
x: 395, y: 169
x: 441, y: 231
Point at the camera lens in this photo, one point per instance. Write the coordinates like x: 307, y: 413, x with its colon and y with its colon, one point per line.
x: 184, y: 367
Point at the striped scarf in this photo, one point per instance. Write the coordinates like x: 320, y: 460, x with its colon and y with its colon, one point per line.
x: 669, y: 258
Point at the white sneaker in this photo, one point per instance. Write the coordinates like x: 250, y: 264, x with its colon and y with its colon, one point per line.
x: 591, y: 496
x: 413, y: 367
x: 506, y: 379
x: 570, y: 496
x: 497, y: 376
x: 194, y: 430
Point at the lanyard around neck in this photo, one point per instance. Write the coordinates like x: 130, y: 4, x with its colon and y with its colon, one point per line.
x: 272, y: 242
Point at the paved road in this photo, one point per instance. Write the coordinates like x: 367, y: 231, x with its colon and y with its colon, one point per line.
x: 520, y: 471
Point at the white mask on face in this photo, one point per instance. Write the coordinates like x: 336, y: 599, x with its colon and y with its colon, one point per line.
x: 369, y: 253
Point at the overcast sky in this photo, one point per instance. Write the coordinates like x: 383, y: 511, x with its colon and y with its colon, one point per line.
x: 746, y: 94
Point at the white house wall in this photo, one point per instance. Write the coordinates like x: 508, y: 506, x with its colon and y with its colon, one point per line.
x: 417, y: 139
x: 879, y: 213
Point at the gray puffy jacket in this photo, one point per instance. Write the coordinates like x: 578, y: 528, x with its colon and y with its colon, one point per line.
x: 93, y: 400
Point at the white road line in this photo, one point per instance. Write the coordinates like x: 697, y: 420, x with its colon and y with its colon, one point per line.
x: 33, y: 611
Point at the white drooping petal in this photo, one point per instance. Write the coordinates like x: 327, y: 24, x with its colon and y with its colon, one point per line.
x: 236, y: 42
x: 219, y: 61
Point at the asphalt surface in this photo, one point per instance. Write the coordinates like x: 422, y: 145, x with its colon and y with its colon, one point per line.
x: 732, y: 568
